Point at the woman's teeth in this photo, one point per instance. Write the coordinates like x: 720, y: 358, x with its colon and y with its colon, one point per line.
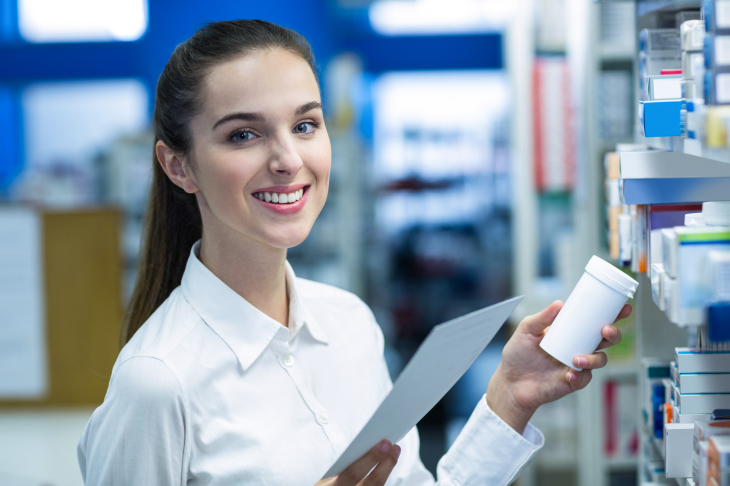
x: 280, y: 198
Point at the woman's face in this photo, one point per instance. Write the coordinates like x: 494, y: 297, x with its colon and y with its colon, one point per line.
x: 261, y: 153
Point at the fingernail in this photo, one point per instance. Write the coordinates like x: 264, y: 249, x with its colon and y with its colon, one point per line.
x: 582, y: 362
x: 385, y: 447
x: 570, y: 376
x: 611, y: 332
x: 397, y: 450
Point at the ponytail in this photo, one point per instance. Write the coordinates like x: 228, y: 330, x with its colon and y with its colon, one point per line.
x: 172, y: 226
x: 172, y: 222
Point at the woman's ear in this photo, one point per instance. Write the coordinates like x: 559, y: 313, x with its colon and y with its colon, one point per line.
x: 176, y: 170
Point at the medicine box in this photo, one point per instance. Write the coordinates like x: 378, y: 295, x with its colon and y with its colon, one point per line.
x: 678, y: 450
x: 667, y: 87
x: 692, y: 35
x: 653, y: 65
x: 704, y: 429
x: 689, y: 254
x: 702, y: 402
x: 718, y: 460
x: 661, y: 118
x: 717, y: 88
x: 690, y: 360
x: 657, y: 269
x: 659, y: 41
x: 689, y: 418
x: 692, y: 65
x: 704, y: 382
x: 717, y: 14
x: 717, y: 51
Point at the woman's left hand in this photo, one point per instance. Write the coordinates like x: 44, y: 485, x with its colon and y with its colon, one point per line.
x: 528, y: 377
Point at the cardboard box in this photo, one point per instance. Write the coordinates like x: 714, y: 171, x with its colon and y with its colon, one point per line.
x: 661, y: 118
x: 667, y: 87
x: 704, y: 382
x: 704, y: 429
x: 702, y: 402
x: 694, y: 361
x: 678, y: 450
x: 718, y: 459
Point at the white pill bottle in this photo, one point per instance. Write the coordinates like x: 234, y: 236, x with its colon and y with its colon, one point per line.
x: 595, y: 302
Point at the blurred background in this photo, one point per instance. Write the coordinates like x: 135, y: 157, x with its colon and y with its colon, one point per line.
x: 467, y: 139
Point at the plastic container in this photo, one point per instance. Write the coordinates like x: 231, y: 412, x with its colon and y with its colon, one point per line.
x: 594, y: 303
x: 716, y: 213
x: 694, y: 220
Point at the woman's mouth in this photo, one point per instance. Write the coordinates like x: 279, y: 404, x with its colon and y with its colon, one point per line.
x: 279, y: 198
x: 283, y: 201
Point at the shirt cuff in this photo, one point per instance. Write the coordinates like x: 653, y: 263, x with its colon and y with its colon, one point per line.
x: 488, y: 451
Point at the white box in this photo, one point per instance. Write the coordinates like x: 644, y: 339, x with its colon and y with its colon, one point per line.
x: 667, y: 87
x: 704, y: 382
x: 692, y: 34
x: 657, y: 269
x: 702, y: 402
x: 692, y: 247
x: 678, y: 450
x: 693, y: 361
x: 656, y: 41
x: 690, y: 418
x: 655, y: 64
x: 691, y: 64
x: 669, y: 251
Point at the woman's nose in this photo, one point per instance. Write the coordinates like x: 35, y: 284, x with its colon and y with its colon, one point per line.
x: 285, y: 159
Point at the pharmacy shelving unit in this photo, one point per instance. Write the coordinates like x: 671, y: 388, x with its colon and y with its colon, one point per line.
x: 678, y: 171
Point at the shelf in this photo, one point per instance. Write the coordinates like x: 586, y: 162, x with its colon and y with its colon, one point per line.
x: 644, y: 7
x: 658, y: 177
x: 610, y: 52
x: 622, y: 462
x: 620, y: 371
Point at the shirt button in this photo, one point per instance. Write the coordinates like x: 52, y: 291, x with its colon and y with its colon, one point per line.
x: 288, y: 360
x: 323, y: 419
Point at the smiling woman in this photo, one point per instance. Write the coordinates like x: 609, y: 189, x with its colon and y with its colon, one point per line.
x: 233, y: 370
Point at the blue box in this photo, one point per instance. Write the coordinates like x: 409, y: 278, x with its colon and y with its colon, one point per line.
x: 661, y: 118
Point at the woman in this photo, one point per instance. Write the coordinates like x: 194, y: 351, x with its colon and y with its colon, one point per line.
x: 241, y: 373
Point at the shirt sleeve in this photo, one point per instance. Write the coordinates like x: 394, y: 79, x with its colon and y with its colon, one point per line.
x: 137, y: 436
x: 488, y: 452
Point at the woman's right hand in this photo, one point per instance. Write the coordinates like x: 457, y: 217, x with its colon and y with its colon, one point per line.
x: 384, y: 454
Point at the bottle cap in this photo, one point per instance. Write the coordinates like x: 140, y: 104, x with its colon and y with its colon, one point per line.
x: 612, y: 276
x: 716, y: 213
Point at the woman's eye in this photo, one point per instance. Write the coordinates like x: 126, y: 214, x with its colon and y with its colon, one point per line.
x: 307, y: 127
x: 242, y: 136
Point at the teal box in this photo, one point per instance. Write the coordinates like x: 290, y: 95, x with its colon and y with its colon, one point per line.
x: 661, y: 118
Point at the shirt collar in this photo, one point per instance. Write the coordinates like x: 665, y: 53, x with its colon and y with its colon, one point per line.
x: 299, y: 315
x: 244, y: 328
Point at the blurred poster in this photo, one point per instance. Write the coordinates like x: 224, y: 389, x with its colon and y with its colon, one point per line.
x: 22, y: 333
x: 553, y: 125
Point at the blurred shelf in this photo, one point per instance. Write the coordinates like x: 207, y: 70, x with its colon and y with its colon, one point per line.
x: 618, y: 371
x: 661, y: 177
x: 688, y: 146
x: 622, y: 462
x: 554, y: 461
x: 611, y: 52
x: 644, y: 7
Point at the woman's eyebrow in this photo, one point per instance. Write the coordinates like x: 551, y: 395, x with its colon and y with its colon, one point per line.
x: 258, y: 117
x: 312, y: 105
x: 255, y: 117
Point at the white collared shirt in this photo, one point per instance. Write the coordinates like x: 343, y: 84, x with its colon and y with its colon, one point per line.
x: 211, y: 391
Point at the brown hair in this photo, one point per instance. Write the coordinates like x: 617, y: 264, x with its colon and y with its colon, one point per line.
x: 172, y: 222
